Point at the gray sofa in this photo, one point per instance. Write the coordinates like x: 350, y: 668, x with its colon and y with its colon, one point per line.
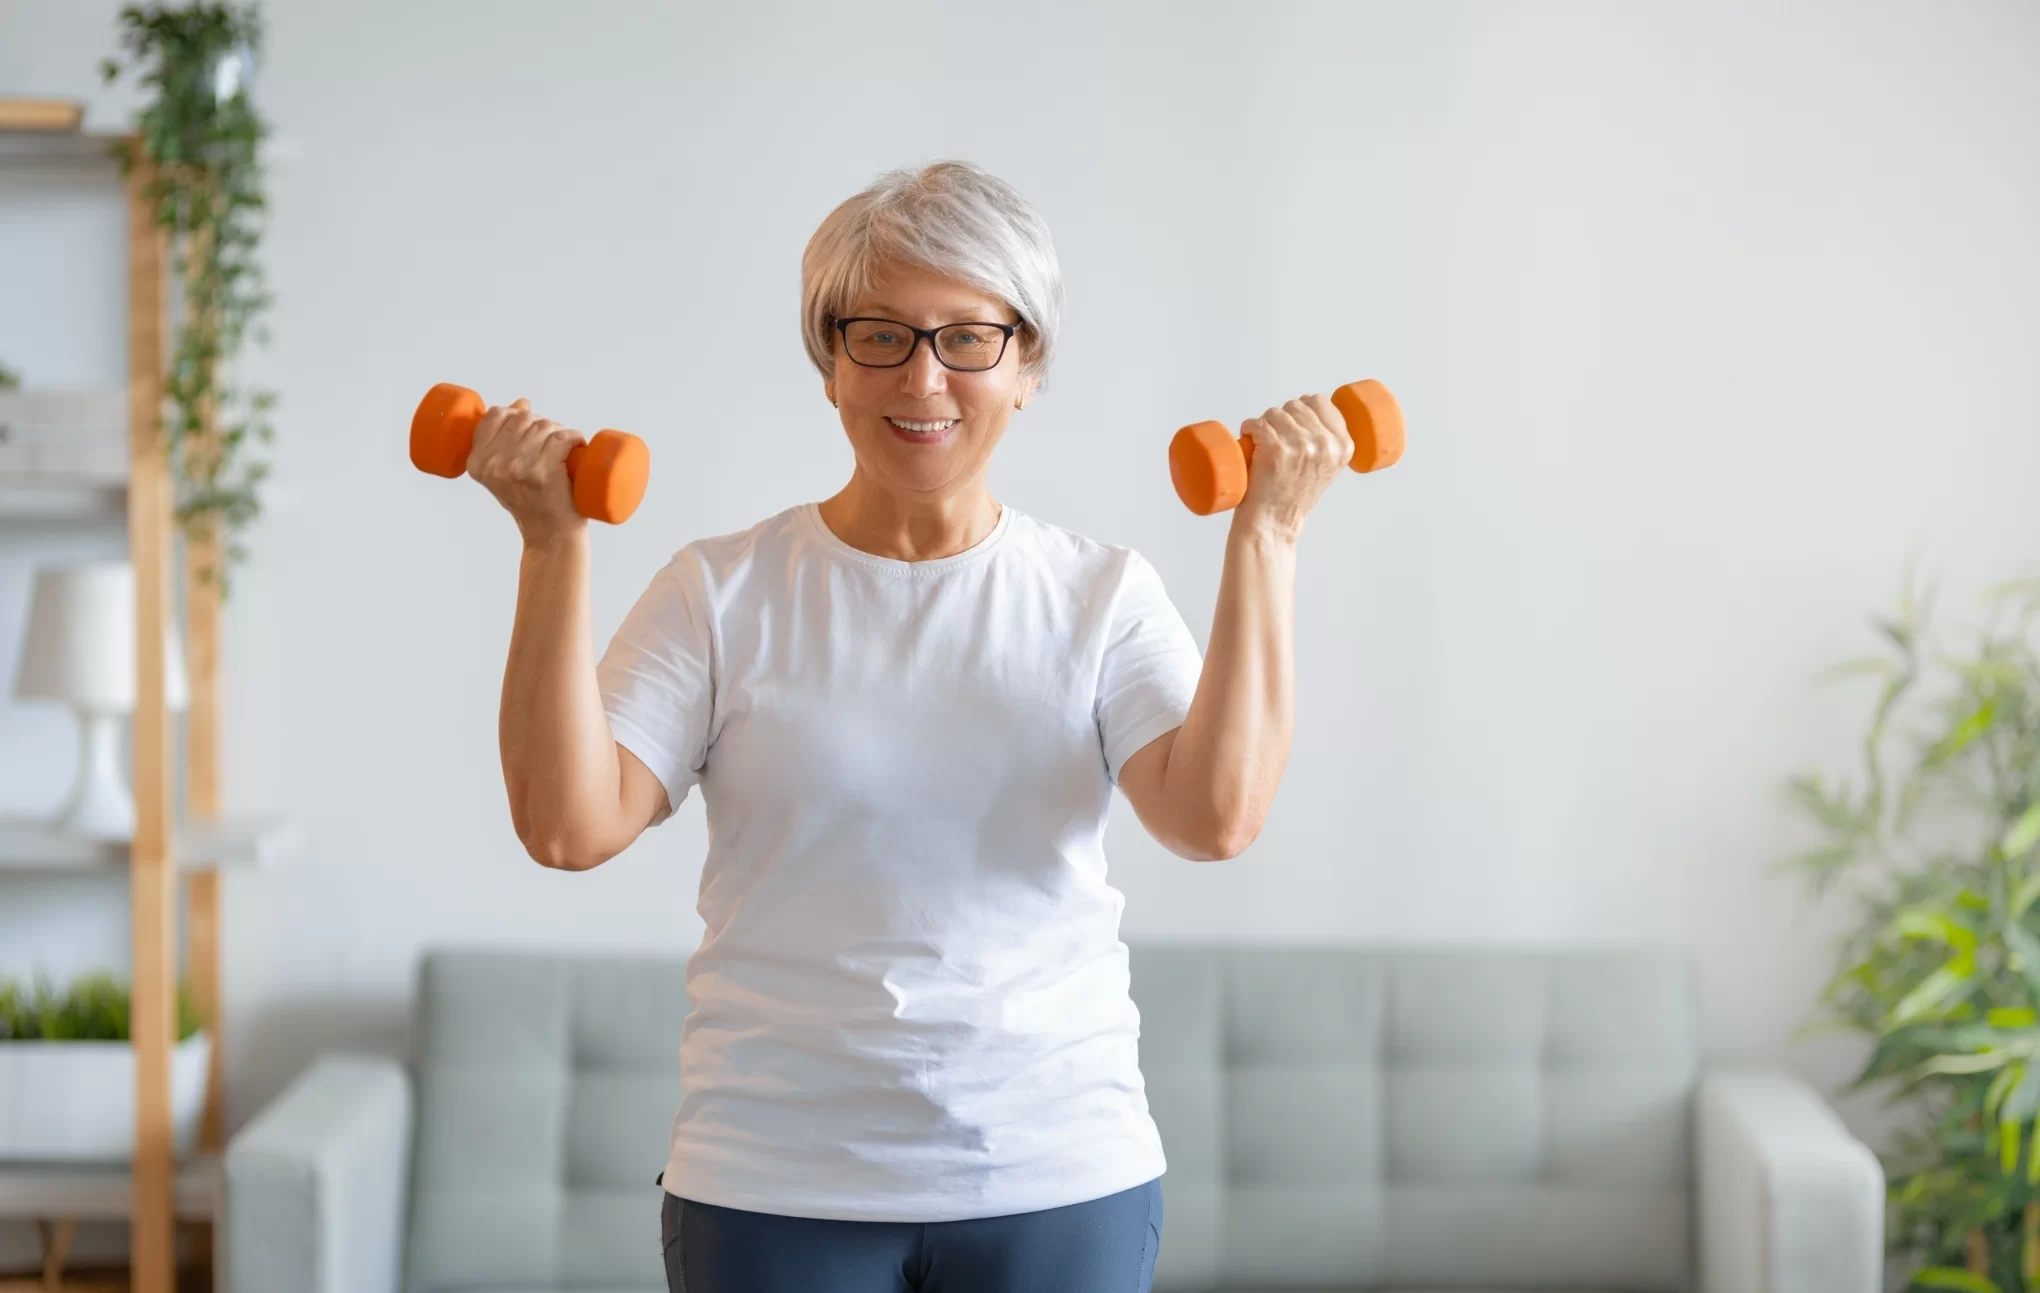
x: 1334, y: 1117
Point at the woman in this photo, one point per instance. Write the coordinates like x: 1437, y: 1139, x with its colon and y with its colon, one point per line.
x: 911, y: 1059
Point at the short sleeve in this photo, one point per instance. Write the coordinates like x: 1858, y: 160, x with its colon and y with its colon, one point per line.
x: 1150, y: 667
x: 657, y: 679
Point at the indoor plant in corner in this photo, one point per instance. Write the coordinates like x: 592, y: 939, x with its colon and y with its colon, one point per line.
x: 200, y: 140
x: 67, y: 1072
x: 1939, y: 838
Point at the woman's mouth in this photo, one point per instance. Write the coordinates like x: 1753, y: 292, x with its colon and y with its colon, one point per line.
x: 916, y: 431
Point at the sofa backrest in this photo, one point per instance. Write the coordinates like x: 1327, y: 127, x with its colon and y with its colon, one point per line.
x: 1341, y: 1117
x: 546, y: 1091
x: 1333, y: 1116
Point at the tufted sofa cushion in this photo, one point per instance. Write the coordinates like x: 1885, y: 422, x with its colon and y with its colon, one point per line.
x: 546, y: 1091
x: 1344, y: 1118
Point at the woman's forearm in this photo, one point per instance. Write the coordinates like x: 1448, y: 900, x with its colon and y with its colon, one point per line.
x: 559, y: 758
x: 1228, y: 757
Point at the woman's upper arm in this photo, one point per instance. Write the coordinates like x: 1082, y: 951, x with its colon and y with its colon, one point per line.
x: 1148, y: 676
x: 640, y: 801
x: 641, y: 797
x: 1143, y: 781
x: 657, y: 685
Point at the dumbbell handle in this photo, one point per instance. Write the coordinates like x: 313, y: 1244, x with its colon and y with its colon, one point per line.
x: 1209, y: 466
x: 608, y: 473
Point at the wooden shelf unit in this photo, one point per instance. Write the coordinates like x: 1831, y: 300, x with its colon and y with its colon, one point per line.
x: 152, y: 1190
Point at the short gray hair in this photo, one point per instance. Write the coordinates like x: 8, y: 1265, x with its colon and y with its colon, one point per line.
x: 951, y: 217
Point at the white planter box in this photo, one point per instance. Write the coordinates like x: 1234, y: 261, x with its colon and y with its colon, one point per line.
x: 70, y: 1101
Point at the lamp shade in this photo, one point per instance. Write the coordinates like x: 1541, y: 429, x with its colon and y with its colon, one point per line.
x: 80, y: 645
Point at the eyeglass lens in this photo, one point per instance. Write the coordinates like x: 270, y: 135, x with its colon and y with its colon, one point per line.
x: 971, y: 347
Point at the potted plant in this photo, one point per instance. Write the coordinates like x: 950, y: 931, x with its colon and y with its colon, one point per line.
x: 67, y: 1072
x: 1939, y: 841
x: 200, y: 139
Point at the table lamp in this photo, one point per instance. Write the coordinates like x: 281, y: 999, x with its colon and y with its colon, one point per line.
x: 80, y: 650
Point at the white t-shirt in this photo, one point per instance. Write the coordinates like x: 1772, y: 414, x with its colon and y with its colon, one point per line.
x: 910, y: 1000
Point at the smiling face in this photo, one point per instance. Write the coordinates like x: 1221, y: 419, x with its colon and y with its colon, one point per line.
x: 922, y: 428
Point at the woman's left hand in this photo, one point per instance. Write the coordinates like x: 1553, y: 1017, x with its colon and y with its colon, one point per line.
x: 1298, y: 449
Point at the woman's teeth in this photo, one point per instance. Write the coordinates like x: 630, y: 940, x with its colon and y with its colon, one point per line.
x: 922, y: 428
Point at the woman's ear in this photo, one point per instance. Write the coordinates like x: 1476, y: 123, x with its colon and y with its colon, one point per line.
x: 829, y: 389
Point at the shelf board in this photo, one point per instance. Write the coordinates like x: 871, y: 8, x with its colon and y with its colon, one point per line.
x: 30, y: 846
x: 105, y: 1191
x: 35, y: 497
x: 57, y: 146
x: 33, y: 112
x: 32, y: 147
x: 64, y: 453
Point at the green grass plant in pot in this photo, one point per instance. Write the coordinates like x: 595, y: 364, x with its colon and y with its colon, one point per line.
x: 67, y: 1071
x: 1937, y: 841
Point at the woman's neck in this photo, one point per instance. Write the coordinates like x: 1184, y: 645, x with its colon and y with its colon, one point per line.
x: 876, y: 521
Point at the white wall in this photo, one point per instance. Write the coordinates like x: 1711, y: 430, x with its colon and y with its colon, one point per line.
x: 1704, y: 318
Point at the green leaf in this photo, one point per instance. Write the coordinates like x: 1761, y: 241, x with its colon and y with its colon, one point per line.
x: 2019, y: 1105
x: 1952, y: 1277
x: 2011, y: 1017
x: 2026, y: 950
x: 1965, y: 733
x: 2023, y: 835
x: 1833, y: 811
x: 2023, y: 899
x: 2000, y: 1087
x: 1915, y: 923
x: 1979, y: 1063
x: 1931, y: 994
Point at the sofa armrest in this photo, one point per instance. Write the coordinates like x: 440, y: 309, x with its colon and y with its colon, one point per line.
x: 316, y: 1182
x: 1790, y: 1202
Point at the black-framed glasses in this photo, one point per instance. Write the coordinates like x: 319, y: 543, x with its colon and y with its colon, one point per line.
x: 888, y: 343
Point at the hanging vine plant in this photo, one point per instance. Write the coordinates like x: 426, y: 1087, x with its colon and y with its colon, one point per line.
x: 200, y: 137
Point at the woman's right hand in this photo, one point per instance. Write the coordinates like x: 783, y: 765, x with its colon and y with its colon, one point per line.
x: 522, y: 460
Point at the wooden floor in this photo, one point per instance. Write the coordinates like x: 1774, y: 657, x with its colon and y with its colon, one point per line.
x: 189, y: 1280
x: 57, y: 1276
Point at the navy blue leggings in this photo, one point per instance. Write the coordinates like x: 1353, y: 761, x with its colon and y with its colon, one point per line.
x: 1105, y: 1245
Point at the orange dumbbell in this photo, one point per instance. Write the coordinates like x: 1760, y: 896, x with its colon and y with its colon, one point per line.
x: 1209, y: 466
x: 608, y: 472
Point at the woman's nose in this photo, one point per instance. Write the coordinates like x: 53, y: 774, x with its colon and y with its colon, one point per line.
x: 924, y: 373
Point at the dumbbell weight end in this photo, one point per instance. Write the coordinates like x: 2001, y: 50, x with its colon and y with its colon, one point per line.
x: 1209, y: 465
x: 608, y: 472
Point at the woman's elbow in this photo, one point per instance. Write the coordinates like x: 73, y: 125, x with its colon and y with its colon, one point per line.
x: 1220, y: 842
x: 562, y: 853
x: 553, y: 843
x: 1233, y: 843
